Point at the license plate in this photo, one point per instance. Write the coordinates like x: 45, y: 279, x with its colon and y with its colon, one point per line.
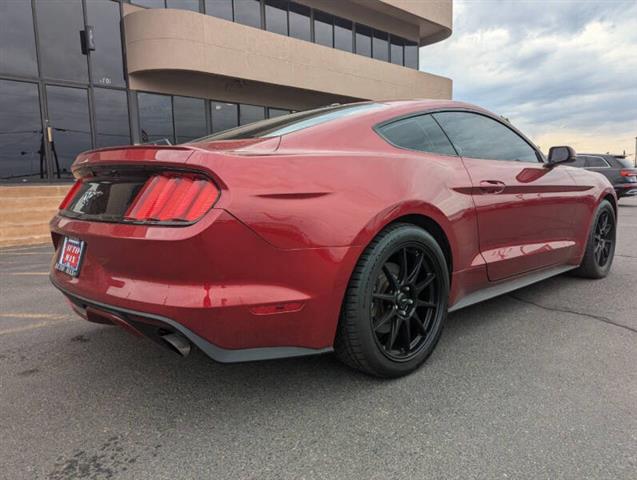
x: 70, y: 259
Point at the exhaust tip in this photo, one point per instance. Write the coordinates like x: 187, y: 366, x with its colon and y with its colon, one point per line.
x: 178, y: 343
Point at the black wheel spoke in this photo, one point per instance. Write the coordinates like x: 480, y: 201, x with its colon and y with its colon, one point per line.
x: 391, y: 338
x: 425, y: 303
x: 393, y: 281
x: 404, y: 265
x: 384, y: 319
x: 413, y: 276
x: 421, y: 325
x: 387, y: 297
x: 406, y: 329
x: 425, y: 283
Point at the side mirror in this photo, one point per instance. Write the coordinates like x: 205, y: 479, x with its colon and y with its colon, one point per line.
x: 561, y: 155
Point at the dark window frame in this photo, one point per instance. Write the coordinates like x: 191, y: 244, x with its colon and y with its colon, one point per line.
x: 538, y: 153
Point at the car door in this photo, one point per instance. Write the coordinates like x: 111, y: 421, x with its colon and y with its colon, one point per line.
x: 524, y: 209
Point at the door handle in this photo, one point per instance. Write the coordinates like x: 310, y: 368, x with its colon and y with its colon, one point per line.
x: 492, y: 186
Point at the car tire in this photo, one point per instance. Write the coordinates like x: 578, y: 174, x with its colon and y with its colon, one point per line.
x: 600, y: 245
x: 396, y: 303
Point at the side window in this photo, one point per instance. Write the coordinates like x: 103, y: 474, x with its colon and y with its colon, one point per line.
x: 478, y: 136
x: 596, y: 162
x: 579, y: 162
x: 417, y: 133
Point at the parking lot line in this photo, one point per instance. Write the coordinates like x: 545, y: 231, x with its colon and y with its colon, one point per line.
x: 33, y: 326
x: 49, y: 316
x: 27, y: 273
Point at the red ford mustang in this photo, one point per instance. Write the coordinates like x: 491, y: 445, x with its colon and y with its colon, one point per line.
x: 352, y: 228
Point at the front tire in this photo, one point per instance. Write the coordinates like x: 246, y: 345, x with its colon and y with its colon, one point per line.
x: 600, y: 247
x: 396, y: 303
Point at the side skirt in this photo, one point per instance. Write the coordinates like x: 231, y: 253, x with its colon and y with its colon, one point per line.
x: 509, y: 285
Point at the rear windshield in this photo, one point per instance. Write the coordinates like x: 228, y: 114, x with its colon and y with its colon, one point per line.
x: 625, y: 162
x: 285, y: 124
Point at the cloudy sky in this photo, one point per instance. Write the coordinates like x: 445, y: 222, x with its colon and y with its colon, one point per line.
x: 563, y: 71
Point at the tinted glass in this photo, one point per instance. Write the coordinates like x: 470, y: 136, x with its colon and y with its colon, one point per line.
x: 149, y: 3
x: 411, y: 54
x: 418, y: 133
x: 59, y: 26
x: 478, y: 136
x: 276, y: 16
x: 323, y: 29
x: 293, y: 122
x: 625, y: 163
x: 579, y: 162
x: 300, y: 22
x: 20, y: 131
x: 224, y: 116
x: 155, y: 117
x: 111, y: 117
x: 397, y: 53
x: 17, y: 40
x: 219, y: 8
x: 363, y: 40
x: 69, y: 119
x: 107, y: 65
x: 183, y: 4
x: 250, y: 114
x: 248, y: 12
x: 277, y: 112
x: 190, y: 118
x: 343, y: 36
x: 380, y: 46
x: 596, y: 162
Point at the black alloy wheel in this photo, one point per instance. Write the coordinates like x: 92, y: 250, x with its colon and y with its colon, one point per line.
x: 600, y: 247
x: 396, y: 303
x: 405, y: 299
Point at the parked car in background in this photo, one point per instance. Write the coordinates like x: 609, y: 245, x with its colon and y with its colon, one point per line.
x: 351, y: 228
x: 620, y: 171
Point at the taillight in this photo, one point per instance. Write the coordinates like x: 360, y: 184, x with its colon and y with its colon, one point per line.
x: 70, y: 195
x: 173, y: 197
x: 628, y: 173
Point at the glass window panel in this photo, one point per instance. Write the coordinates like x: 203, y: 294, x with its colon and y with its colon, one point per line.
x: 183, y: 4
x: 364, y: 40
x: 224, y: 116
x: 107, y: 64
x: 596, y: 162
x: 250, y: 113
x: 248, y: 12
x: 155, y: 117
x: 477, y: 136
x: 59, y: 26
x: 111, y: 117
x: 397, y: 50
x: 324, y: 29
x: 69, y: 119
x: 20, y: 131
x: 276, y: 16
x: 380, y: 47
x: 17, y: 40
x: 277, y: 112
x: 219, y: 8
x: 190, y: 118
x: 300, y: 26
x: 343, y: 36
x: 411, y: 54
x: 418, y: 133
x: 149, y: 3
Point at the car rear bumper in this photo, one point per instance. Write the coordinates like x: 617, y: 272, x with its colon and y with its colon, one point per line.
x: 217, y: 282
x: 626, y: 189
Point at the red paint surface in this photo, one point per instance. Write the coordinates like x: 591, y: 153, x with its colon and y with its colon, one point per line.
x: 269, y: 264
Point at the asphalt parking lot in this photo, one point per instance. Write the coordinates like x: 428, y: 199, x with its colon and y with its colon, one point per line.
x: 541, y: 384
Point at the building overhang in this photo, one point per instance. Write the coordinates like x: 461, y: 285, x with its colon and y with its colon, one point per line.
x: 196, y: 51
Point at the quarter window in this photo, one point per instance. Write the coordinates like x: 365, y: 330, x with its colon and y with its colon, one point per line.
x: 596, y: 162
x: 420, y: 133
x: 478, y: 136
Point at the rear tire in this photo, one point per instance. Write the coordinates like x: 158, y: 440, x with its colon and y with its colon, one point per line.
x: 600, y: 246
x: 395, y: 305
